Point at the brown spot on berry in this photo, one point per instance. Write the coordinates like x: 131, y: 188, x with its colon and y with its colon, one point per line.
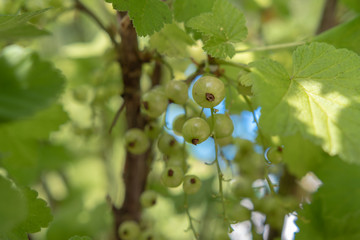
x: 279, y: 149
x: 195, y: 141
x: 170, y: 173
x: 210, y: 97
x: 153, y: 202
x: 131, y: 144
x: 125, y: 232
x: 172, y: 142
x: 192, y: 180
x: 146, y: 105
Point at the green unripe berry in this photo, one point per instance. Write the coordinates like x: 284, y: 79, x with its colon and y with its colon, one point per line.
x: 167, y: 144
x: 224, y: 141
x: 136, y: 141
x: 223, y: 125
x: 191, y: 184
x: 152, y: 130
x: 178, y: 123
x: 80, y: 94
x: 208, y: 91
x: 148, y: 198
x: 154, y: 102
x: 274, y: 154
x: 196, y: 130
x: 172, y: 176
x: 129, y: 230
x: 148, y: 235
x: 177, y: 91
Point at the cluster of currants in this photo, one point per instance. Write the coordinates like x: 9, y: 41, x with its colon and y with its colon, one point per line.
x: 208, y: 92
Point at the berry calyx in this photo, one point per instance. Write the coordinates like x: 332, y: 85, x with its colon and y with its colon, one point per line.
x: 177, y: 91
x: 148, y: 198
x: 222, y: 126
x: 196, y: 130
x: 136, y: 141
x: 191, y: 184
x: 129, y: 230
x: 167, y: 144
x: 172, y: 176
x: 208, y: 91
x: 154, y: 102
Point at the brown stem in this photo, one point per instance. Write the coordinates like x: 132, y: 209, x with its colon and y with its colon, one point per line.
x: 328, y: 19
x: 136, y: 168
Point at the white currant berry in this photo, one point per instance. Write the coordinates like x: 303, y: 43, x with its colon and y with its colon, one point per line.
x: 178, y: 123
x: 274, y: 154
x: 208, y: 91
x: 177, y: 91
x: 154, y: 102
x: 167, y: 144
x: 196, y: 130
x: 172, y: 176
x: 222, y: 126
x: 136, y: 141
x: 148, y: 198
x: 129, y: 230
x: 191, y: 184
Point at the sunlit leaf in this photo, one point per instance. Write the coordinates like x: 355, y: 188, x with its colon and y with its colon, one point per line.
x: 320, y: 98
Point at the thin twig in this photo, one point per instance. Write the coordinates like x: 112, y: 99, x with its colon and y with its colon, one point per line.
x: 272, y: 47
x: 238, y: 65
x: 117, y: 115
x: 191, y: 225
x: 220, y: 174
x: 80, y: 6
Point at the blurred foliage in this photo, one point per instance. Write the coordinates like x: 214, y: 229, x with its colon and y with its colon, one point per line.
x: 54, y: 132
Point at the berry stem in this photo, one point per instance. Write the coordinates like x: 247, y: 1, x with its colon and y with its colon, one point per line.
x: 220, y: 174
x: 273, y: 47
x: 191, y: 225
x: 264, y: 146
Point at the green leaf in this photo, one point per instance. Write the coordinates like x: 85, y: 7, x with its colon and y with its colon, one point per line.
x: 301, y: 160
x: 334, y: 211
x: 320, y: 98
x: 221, y: 28
x: 21, y: 142
x: 80, y: 238
x: 38, y: 215
x: 171, y: 41
x: 12, y: 207
x: 148, y: 16
x: 28, y: 84
x: 346, y: 35
x: 352, y: 4
x: 187, y: 9
x: 16, y: 27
